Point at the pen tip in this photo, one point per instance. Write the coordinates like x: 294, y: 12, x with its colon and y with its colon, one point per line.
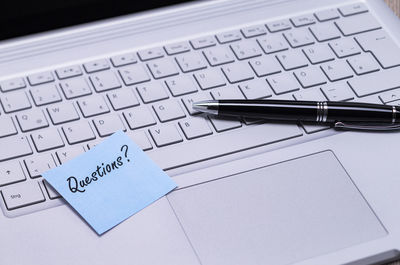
x: 208, y: 106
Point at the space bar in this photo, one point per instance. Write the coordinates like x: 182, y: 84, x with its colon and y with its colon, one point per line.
x: 218, y: 145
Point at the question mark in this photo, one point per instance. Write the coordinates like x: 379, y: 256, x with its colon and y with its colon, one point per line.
x: 126, y: 151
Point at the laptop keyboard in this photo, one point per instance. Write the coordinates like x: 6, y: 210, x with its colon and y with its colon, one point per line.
x: 50, y: 117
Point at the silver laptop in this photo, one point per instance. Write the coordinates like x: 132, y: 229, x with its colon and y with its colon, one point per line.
x: 249, y: 191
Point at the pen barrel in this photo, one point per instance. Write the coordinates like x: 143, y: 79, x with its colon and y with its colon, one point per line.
x: 362, y: 112
x: 290, y: 110
x: 287, y: 110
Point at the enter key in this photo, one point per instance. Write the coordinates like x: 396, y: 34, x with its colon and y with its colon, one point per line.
x: 385, y: 50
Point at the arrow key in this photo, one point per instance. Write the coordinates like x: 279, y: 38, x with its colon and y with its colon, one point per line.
x: 11, y: 172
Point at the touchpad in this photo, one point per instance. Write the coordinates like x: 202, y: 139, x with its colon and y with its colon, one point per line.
x: 276, y: 214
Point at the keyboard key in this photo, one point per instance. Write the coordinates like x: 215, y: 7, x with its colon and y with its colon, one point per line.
x: 246, y: 49
x: 390, y: 96
x: 265, y: 65
x: 108, y: 124
x: 38, y: 164
x: 357, y: 24
x: 161, y: 68
x: 176, y: 48
x: 229, y: 92
x: 150, y: 54
x: 47, y: 139
x: 92, y: 144
x: 273, y: 43
x: 105, y: 80
x: 12, y: 84
x: 152, y: 92
x: 376, y: 82
x: 181, y: 85
x: 93, y: 106
x: 299, y: 37
x: 124, y: 59
x: 218, y: 55
x: 382, y: 47
x: 228, y: 37
x: 209, y: 79
x: 338, y: 91
x: 69, y: 71
x: 203, y: 42
x: 223, y: 144
x: 97, y: 65
x: 15, y: 101
x: 40, y: 78
x: 225, y: 124
x: 69, y: 153
x: 139, y: 117
x: 345, y: 47
x: 78, y: 131
x: 140, y: 138
x: 191, y: 61
x: 292, y: 59
x: 254, y: 31
x: 311, y: 127
x: 75, y: 87
x: 327, y: 14
x: 311, y: 76
x: 61, y: 113
x: 165, y: 135
x: 283, y: 83
x: 256, y: 89
x: 313, y: 94
x: 237, y: 72
x: 21, y: 195
x: 195, y: 127
x: 32, y: 120
x: 11, y: 172
x: 13, y: 147
x: 7, y: 127
x: 189, y: 100
x: 363, y: 64
x: 133, y: 74
x: 353, y: 9
x: 303, y: 20
x: 337, y: 70
x: 278, y: 25
x: 325, y: 31
x: 168, y: 110
x: 53, y: 194
x: 122, y: 99
x: 319, y: 53
x: 45, y: 94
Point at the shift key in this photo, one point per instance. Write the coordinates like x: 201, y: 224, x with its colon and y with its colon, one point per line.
x: 376, y: 82
x: 20, y: 195
x: 14, y: 146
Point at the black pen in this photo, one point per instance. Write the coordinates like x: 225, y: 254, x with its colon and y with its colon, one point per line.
x: 350, y: 115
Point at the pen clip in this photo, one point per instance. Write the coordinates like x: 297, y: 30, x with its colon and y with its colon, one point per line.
x: 366, y: 127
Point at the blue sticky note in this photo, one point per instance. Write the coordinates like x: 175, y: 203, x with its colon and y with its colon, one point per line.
x: 110, y: 182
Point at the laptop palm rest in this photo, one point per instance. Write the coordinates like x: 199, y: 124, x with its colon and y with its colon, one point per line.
x: 277, y: 214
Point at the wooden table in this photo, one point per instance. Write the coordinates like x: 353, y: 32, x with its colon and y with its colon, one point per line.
x: 395, y: 5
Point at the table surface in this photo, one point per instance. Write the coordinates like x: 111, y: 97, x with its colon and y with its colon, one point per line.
x: 395, y: 5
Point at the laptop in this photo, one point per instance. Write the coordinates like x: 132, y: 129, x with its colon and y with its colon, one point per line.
x: 249, y: 191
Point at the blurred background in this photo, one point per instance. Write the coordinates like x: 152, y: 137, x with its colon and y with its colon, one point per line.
x: 395, y: 5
